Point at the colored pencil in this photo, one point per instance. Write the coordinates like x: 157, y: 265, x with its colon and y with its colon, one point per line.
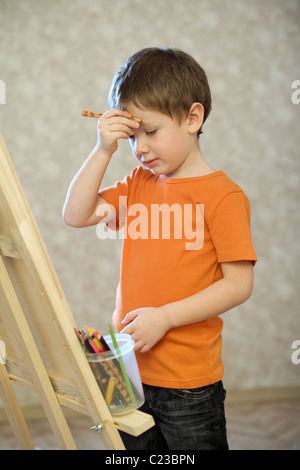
x: 122, y: 365
x: 110, y: 390
x: 97, y: 115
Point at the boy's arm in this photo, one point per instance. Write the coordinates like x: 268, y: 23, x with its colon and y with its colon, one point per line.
x: 148, y: 325
x: 83, y: 200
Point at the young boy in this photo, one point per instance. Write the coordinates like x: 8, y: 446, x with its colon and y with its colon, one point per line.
x: 187, y: 250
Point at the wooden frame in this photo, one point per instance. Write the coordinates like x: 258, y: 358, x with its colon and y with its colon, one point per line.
x: 37, y: 327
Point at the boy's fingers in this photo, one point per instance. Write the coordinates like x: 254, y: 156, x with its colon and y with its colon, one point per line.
x: 116, y: 112
x: 130, y: 317
x: 118, y: 115
x: 120, y: 127
x: 126, y: 319
x: 118, y: 124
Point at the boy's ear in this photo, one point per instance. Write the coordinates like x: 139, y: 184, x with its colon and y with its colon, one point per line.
x: 195, y: 117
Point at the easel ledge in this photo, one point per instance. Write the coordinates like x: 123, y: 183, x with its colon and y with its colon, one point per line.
x: 37, y: 327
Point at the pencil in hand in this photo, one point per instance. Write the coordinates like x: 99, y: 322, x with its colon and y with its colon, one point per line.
x: 97, y: 115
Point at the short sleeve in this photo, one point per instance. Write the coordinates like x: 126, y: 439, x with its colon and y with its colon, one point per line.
x: 116, y: 196
x: 230, y: 229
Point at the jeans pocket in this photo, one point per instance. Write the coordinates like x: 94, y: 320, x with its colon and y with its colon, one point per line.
x: 193, y: 393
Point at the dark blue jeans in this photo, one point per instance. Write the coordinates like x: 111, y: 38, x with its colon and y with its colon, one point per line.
x: 192, y: 419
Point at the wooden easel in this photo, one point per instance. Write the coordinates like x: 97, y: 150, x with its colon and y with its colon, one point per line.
x: 36, y: 326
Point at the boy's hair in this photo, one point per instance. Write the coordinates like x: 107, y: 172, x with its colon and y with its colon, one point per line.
x: 163, y: 79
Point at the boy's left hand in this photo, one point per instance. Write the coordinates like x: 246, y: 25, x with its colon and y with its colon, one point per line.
x: 146, y: 326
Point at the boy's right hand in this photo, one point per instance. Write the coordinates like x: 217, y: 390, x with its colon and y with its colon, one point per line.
x: 112, y: 126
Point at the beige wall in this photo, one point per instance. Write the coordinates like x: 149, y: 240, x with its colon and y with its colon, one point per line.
x: 58, y: 57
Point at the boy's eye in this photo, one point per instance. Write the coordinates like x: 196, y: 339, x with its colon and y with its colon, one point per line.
x: 151, y: 132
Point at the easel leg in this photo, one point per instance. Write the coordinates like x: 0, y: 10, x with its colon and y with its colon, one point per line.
x: 14, y: 412
x: 34, y: 362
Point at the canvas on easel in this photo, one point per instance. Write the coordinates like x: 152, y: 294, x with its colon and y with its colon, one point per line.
x: 42, y: 351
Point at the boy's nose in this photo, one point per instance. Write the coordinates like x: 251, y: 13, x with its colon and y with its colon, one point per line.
x: 141, y: 147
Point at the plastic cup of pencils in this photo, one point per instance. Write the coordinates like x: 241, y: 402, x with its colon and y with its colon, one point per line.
x: 117, y: 375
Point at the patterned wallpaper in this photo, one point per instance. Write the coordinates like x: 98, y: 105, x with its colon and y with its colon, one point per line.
x: 58, y: 57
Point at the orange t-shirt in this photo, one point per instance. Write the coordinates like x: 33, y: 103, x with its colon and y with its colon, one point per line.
x: 170, y: 252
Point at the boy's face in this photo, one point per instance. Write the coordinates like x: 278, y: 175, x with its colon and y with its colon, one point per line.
x: 162, y: 144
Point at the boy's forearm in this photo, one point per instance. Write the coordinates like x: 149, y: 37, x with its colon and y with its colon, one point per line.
x: 80, y: 209
x: 81, y: 201
x: 148, y: 325
x: 214, y: 300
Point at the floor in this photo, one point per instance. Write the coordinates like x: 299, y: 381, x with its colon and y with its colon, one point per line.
x: 264, y: 426
x: 250, y: 426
